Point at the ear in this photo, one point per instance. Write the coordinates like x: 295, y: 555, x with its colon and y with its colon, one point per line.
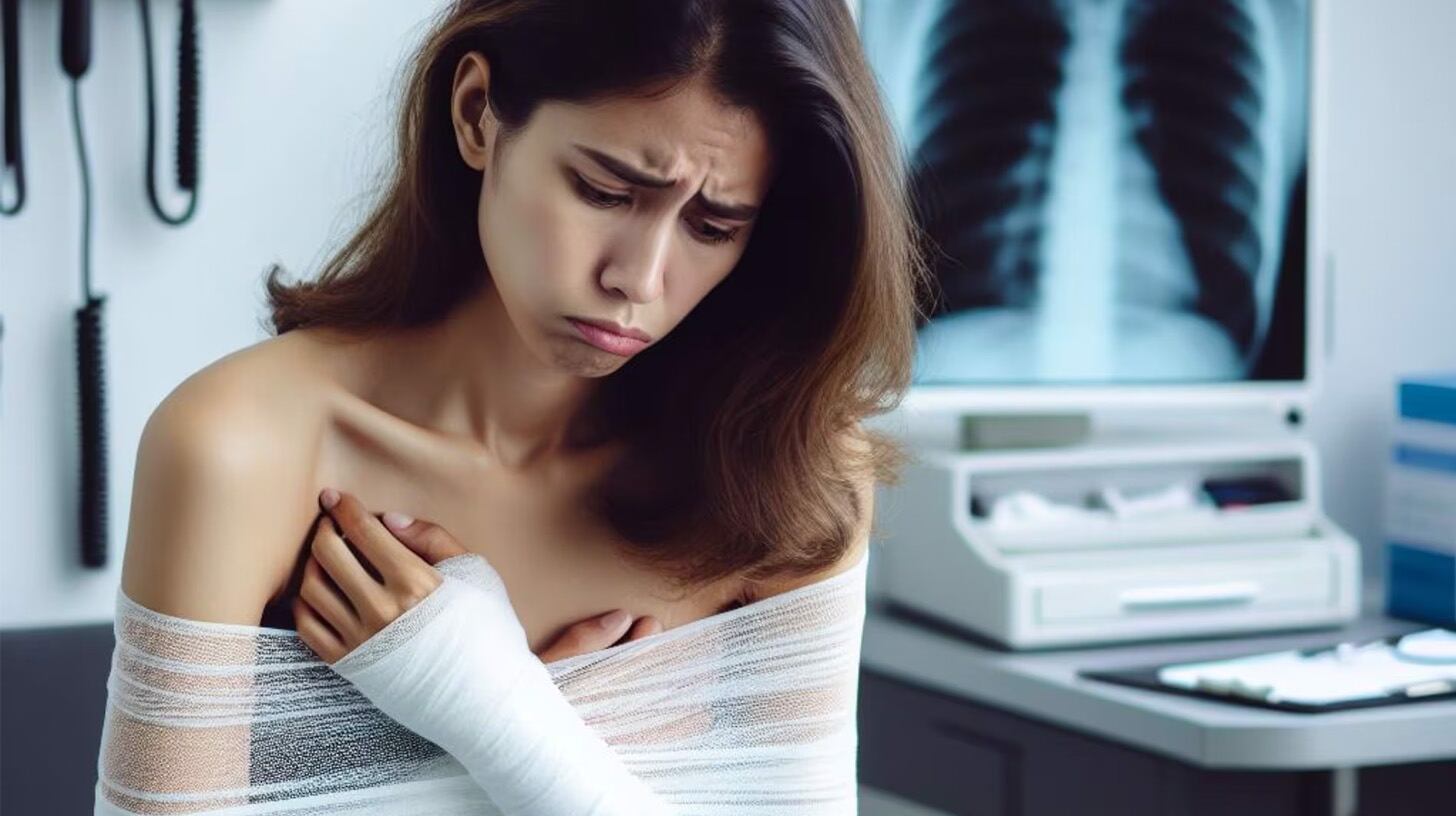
x: 474, y: 122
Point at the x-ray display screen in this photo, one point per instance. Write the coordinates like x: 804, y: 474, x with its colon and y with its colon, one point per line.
x: 1113, y: 190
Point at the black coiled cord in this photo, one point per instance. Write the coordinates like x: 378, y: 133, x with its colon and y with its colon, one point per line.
x: 188, y: 84
x: 90, y: 349
x: 90, y: 363
x: 14, y: 158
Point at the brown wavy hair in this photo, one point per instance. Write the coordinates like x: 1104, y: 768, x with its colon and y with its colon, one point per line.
x: 742, y: 431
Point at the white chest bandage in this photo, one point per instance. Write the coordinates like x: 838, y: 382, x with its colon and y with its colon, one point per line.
x: 446, y: 711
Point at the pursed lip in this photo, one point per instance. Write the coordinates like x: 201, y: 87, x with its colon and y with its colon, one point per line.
x: 607, y: 325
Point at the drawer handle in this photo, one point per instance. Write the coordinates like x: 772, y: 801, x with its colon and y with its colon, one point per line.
x: 1228, y: 593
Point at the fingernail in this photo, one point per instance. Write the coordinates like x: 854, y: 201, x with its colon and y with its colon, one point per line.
x: 329, y: 497
x: 615, y: 619
x: 396, y: 520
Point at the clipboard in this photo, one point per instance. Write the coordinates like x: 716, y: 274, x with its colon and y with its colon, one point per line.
x: 1365, y: 662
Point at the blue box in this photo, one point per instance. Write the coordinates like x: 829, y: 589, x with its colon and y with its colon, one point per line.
x: 1431, y: 398
x: 1420, y: 519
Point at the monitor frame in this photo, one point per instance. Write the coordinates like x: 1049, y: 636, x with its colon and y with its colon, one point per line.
x: 1281, y: 396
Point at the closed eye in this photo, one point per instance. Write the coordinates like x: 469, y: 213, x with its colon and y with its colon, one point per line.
x: 598, y: 197
x: 713, y: 235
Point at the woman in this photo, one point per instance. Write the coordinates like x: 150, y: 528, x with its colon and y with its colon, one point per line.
x: 554, y: 339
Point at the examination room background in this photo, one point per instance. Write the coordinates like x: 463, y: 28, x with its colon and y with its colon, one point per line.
x: 296, y: 122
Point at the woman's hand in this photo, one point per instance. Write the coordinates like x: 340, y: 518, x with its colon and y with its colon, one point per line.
x: 598, y: 632
x: 454, y: 664
x: 342, y: 601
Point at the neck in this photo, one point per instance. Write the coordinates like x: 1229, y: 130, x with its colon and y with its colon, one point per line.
x: 471, y: 377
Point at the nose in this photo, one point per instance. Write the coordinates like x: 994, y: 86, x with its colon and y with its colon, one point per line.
x: 639, y: 261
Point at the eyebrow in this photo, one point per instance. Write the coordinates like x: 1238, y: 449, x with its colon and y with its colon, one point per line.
x: 633, y: 175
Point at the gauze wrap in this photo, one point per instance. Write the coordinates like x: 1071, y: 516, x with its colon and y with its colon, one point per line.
x: 446, y: 711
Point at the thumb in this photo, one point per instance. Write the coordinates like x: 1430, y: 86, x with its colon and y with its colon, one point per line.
x: 428, y: 540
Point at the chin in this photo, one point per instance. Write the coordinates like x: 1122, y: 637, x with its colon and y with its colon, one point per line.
x: 572, y: 356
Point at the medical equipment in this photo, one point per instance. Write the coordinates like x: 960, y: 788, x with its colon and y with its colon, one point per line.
x: 90, y: 341
x: 1074, y: 578
x: 14, y: 156
x: 188, y: 98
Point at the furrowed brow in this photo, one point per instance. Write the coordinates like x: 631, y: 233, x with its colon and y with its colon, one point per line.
x: 634, y: 175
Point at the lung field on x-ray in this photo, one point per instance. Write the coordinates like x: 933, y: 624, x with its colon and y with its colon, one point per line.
x: 1113, y: 188
x: 990, y: 143
x: 1194, y: 91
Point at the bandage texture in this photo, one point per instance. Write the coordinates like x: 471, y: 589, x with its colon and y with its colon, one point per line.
x: 446, y: 711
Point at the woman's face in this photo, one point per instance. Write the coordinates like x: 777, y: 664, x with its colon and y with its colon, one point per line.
x: 626, y: 211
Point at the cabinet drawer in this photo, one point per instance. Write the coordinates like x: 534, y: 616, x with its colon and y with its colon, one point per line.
x: 1306, y: 579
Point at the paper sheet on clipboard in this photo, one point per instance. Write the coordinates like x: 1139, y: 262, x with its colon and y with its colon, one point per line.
x: 1344, y: 674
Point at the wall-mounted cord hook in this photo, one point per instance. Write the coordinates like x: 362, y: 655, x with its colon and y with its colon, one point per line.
x: 90, y: 348
x: 14, y: 158
x: 188, y: 98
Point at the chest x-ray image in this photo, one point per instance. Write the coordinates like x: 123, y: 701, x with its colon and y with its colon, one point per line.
x: 1115, y: 189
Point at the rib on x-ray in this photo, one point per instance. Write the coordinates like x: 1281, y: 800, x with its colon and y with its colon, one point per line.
x: 1114, y: 189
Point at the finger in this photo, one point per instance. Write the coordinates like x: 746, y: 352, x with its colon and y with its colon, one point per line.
x: 644, y: 626
x: 359, y: 587
x: 316, y: 634
x: 586, y: 636
x: 378, y: 546
x: 428, y: 540
x: 325, y: 598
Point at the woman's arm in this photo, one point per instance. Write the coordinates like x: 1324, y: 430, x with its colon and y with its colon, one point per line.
x: 446, y: 657
x: 208, y: 539
x: 454, y: 667
x: 215, y: 510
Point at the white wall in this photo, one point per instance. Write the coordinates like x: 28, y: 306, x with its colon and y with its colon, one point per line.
x: 1391, y: 215
x: 296, y: 118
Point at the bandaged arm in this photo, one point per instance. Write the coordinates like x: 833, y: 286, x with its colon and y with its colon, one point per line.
x: 457, y: 669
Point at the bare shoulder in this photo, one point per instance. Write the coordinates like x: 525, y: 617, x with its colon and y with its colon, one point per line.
x: 221, y: 497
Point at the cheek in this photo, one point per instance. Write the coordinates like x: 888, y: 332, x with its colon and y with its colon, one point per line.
x: 528, y: 242
x: 564, y: 241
